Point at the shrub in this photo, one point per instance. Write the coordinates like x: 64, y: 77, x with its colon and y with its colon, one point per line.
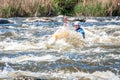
x: 64, y: 7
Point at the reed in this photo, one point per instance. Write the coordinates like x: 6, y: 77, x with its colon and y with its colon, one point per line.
x: 25, y: 8
x: 97, y: 8
x: 15, y: 8
x: 91, y: 9
x: 112, y: 7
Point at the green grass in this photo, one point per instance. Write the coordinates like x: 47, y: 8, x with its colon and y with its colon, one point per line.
x: 7, y: 11
x: 11, y: 11
x: 90, y: 10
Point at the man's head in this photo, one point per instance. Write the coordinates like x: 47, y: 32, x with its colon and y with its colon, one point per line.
x: 76, y: 24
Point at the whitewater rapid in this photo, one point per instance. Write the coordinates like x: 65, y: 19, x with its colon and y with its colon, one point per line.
x: 48, y: 50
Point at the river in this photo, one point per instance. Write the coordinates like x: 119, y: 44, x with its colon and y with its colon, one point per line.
x: 36, y: 50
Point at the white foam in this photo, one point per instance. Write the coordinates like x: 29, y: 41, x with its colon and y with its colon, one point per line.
x: 113, y: 20
x: 105, y: 75
x: 91, y: 20
x: 71, y: 39
x: 100, y: 34
x: 99, y: 59
x: 19, y: 46
x: 21, y: 59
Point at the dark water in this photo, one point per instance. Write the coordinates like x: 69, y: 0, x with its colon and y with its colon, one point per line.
x: 36, y: 50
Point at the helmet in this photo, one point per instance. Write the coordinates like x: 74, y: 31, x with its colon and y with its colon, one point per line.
x: 76, y: 23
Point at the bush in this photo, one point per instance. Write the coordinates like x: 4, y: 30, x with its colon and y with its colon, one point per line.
x: 64, y: 7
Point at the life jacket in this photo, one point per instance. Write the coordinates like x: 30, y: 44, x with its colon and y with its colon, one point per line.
x: 81, y: 31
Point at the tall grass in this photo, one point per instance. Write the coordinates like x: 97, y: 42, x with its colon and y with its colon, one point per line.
x: 10, y: 8
x: 97, y: 8
x: 24, y: 8
x: 90, y: 9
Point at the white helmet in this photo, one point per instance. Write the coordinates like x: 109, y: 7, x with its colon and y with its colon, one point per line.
x: 76, y: 23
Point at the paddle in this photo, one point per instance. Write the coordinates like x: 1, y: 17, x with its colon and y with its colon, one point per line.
x: 65, y: 21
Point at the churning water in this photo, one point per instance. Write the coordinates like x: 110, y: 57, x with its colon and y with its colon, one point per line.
x: 48, y: 50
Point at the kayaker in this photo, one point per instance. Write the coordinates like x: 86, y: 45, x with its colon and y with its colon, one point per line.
x: 79, y: 29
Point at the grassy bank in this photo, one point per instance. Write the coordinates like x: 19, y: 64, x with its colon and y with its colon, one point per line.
x: 25, y: 8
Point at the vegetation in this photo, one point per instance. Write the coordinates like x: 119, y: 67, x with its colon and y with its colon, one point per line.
x: 90, y: 9
x: 25, y: 8
x: 64, y: 7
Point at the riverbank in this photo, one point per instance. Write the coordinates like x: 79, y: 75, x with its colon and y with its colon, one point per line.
x: 23, y: 8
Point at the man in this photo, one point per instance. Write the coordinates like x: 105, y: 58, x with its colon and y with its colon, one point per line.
x: 79, y: 29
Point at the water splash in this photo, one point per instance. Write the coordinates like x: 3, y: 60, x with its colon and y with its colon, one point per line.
x: 50, y: 51
x: 68, y: 76
x: 25, y: 58
x: 66, y: 39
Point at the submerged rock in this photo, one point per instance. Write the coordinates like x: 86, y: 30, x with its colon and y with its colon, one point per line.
x: 5, y: 21
x: 8, y: 34
x: 77, y: 19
